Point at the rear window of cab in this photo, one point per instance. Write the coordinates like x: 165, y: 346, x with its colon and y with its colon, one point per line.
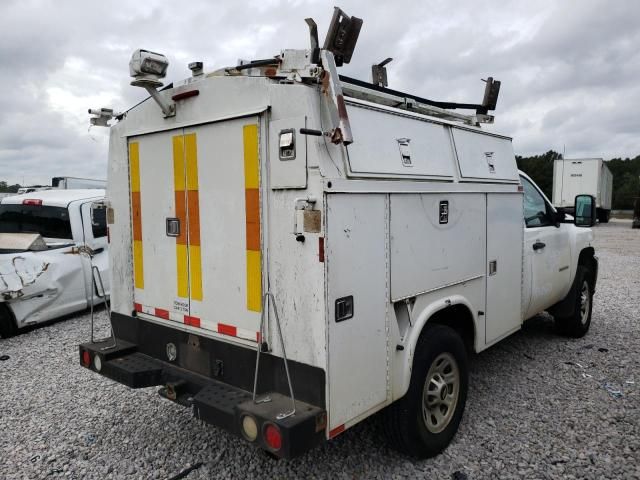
x: 50, y: 222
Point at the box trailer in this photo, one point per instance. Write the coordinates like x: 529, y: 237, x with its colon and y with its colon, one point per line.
x: 578, y: 176
x: 77, y: 183
x: 293, y: 251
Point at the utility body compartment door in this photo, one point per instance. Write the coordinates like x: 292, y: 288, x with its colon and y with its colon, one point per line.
x: 197, y: 224
x: 484, y: 156
x: 504, y: 265
x: 357, y: 297
x: 157, y: 194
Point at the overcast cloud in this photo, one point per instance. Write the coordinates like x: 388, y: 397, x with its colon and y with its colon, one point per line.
x: 570, y: 70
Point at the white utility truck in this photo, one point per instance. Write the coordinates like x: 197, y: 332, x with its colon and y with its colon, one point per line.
x: 577, y: 176
x: 293, y: 251
x: 53, y: 252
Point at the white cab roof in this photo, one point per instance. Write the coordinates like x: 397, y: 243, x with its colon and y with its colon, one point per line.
x: 56, y: 197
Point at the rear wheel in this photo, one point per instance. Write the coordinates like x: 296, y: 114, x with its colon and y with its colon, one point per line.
x: 425, y: 420
x: 604, y: 215
x: 577, y: 324
x: 7, y: 323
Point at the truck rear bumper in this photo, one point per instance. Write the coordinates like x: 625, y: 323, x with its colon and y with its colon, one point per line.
x: 213, y: 400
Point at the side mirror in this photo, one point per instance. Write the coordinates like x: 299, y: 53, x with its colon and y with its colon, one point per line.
x: 98, y: 214
x: 585, y: 211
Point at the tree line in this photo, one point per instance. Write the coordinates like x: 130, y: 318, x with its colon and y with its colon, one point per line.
x: 6, y: 188
x: 626, y: 176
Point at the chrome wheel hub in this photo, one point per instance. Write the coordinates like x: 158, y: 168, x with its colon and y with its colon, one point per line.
x: 585, y: 302
x: 440, y: 393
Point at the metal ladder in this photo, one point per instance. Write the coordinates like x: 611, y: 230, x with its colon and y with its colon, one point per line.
x: 98, y: 286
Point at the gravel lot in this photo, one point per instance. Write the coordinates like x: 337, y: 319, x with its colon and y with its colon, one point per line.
x: 539, y: 406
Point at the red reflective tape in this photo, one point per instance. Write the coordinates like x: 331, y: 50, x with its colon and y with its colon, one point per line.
x: 258, y: 337
x: 193, y: 321
x: 162, y: 313
x: 336, y: 431
x: 321, y: 249
x: 183, y: 95
x: 227, y: 329
x: 137, y: 307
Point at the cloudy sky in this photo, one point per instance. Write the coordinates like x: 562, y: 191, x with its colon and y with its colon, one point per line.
x: 570, y: 70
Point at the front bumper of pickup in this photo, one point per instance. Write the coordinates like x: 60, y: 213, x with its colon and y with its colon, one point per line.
x: 214, y: 400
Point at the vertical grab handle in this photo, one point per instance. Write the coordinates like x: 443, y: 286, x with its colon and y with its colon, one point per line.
x: 265, y: 307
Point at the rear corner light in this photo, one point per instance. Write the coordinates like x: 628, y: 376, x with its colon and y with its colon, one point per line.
x: 86, y: 358
x: 32, y: 201
x: 272, y: 436
x: 249, y: 428
x: 97, y: 363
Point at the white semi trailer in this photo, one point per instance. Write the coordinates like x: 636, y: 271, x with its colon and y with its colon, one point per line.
x: 293, y: 251
x: 578, y: 176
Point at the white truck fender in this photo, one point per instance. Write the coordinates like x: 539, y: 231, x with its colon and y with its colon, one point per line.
x: 403, y: 363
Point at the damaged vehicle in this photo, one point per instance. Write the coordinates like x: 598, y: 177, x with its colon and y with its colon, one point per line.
x: 53, y: 256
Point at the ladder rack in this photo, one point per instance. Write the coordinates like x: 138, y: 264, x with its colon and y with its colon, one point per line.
x: 358, y: 89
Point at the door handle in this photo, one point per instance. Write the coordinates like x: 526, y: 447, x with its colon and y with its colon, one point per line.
x: 539, y: 245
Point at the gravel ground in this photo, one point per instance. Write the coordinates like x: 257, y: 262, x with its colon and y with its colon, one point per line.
x: 539, y: 406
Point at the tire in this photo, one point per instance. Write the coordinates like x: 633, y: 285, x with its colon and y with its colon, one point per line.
x: 577, y: 325
x: 412, y: 426
x: 7, y: 323
x: 603, y: 216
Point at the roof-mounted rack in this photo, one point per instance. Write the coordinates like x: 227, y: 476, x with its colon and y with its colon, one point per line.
x: 361, y: 90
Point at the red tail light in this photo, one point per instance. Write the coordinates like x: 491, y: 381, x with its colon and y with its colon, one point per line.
x: 32, y: 201
x: 273, y: 437
x: 86, y: 358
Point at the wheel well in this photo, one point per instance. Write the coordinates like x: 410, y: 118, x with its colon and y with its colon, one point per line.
x: 5, y: 312
x: 586, y: 259
x: 460, y: 319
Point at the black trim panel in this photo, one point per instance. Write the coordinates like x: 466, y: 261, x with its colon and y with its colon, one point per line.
x: 222, y: 361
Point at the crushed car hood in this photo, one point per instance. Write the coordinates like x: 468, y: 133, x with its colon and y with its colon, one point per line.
x: 23, y: 275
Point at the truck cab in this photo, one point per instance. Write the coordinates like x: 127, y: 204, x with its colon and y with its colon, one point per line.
x: 555, y: 251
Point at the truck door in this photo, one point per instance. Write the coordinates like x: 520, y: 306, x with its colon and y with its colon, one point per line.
x: 225, y: 226
x: 546, y: 251
x: 196, y: 218
x: 95, y: 237
x: 158, y: 217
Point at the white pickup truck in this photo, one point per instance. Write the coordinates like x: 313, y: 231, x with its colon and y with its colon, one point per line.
x: 293, y: 251
x: 46, y: 240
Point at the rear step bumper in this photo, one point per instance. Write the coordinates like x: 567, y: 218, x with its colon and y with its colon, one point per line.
x: 212, y: 401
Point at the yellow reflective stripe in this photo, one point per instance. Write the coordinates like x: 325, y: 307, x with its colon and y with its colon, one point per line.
x: 192, y: 161
x: 136, y: 215
x: 195, y: 262
x: 182, y: 267
x: 254, y: 281
x: 252, y: 217
x: 138, y: 272
x: 251, y: 167
x: 178, y: 163
x: 134, y: 166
